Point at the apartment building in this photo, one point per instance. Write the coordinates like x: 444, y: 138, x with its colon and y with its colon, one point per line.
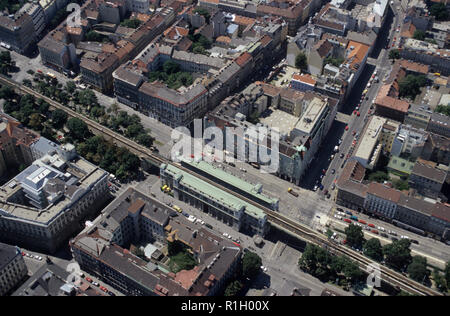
x: 390, y: 204
x: 439, y: 124
x: 97, y: 70
x: 300, y: 136
x: 36, y: 13
x: 47, y: 202
x: 427, y: 179
x: 381, y: 200
x: 12, y: 268
x: 418, y: 116
x: 55, y: 53
x: 102, y: 250
x: 409, y: 140
x: 18, y: 31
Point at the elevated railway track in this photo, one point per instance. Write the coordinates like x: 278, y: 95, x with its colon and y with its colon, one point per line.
x: 295, y: 228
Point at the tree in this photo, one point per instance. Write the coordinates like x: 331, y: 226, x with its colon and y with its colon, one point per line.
x: 373, y: 249
x: 77, y: 129
x: 410, y: 85
x: 394, y: 54
x: 447, y: 273
x: 401, y: 185
x: 398, y: 254
x: 144, y: 139
x: 131, y: 23
x: 354, y: 236
x: 70, y: 87
x: 379, y: 176
x: 251, y: 264
x: 59, y: 118
x: 440, y: 281
x: 417, y: 269
x: 203, y: 12
x: 93, y: 36
x: 443, y: 109
x: 35, y: 121
x: 439, y: 10
x: 87, y: 98
x: 419, y: 35
x: 171, y: 67
x: 233, y: 288
x: 301, y: 61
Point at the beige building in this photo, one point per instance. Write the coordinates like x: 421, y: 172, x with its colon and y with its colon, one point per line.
x: 12, y: 268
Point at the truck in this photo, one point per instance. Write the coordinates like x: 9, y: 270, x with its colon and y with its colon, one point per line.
x: 293, y: 192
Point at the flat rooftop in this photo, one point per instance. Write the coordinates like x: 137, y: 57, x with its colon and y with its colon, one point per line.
x: 370, y: 137
x: 311, y: 116
x: 212, y: 192
x: 280, y: 120
x: 232, y: 180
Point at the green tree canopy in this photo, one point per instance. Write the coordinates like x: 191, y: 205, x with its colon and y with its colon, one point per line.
x: 439, y: 11
x: 251, y: 264
x: 410, y: 85
x: 443, y: 109
x: 301, y: 61
x: 78, y: 129
x: 59, y: 118
x: 354, y: 236
x: 394, y: 54
x: 373, y: 249
x: 398, y: 254
x: 447, y: 273
x: 131, y: 23
x: 419, y: 35
x: 233, y: 288
x: 417, y: 269
x: 379, y: 176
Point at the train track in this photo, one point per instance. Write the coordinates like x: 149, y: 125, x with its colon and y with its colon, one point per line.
x: 298, y: 229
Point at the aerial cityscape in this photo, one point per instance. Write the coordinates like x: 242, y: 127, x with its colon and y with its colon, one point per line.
x: 229, y: 148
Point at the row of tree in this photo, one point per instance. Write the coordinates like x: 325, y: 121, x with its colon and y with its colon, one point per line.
x: 86, y: 102
x: 329, y: 268
x: 396, y: 255
x: 35, y: 114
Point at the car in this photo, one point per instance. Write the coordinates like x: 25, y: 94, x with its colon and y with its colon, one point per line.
x: 404, y: 237
x: 96, y: 284
x: 346, y: 128
x: 392, y: 233
x: 39, y: 258
x: 111, y: 293
x: 225, y: 234
x: 36, y: 257
x: 324, y: 171
x: 104, y: 289
x: 325, y: 192
x: 315, y: 188
x: 333, y: 171
x: 89, y: 279
x: 414, y: 241
x: 341, y: 156
x: 354, y: 133
x: 358, y: 114
x: 354, y: 112
x: 328, y: 195
x: 333, y: 186
x: 321, y: 186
